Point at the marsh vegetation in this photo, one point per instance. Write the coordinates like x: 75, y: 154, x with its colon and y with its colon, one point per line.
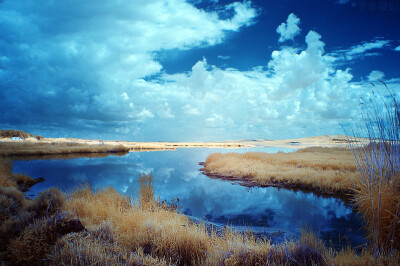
x: 327, y: 170
x: 47, y: 148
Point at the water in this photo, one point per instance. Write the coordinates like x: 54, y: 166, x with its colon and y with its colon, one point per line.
x: 269, y: 211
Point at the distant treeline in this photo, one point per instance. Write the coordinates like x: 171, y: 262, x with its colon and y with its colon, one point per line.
x: 10, y: 133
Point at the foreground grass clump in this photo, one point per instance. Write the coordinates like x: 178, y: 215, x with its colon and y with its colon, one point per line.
x: 328, y: 170
x: 378, y: 187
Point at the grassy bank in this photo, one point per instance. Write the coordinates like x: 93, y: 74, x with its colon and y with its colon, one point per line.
x: 105, y: 227
x: 45, y: 148
x: 30, y: 144
x: 326, y: 170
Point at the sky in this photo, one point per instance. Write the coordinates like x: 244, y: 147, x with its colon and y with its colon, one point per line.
x: 175, y: 70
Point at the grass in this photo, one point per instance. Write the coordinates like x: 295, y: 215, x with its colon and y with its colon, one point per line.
x: 327, y: 170
x: 10, y: 179
x: 107, y: 228
x: 378, y: 187
x: 45, y: 148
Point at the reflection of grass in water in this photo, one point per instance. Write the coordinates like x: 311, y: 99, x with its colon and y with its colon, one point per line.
x: 378, y: 164
x: 104, y: 227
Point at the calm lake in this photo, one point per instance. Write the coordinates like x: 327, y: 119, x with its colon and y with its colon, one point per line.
x: 176, y: 175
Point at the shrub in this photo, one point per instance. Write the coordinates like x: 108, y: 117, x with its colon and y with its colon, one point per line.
x: 9, y: 133
x: 48, y: 202
x: 38, y: 238
x: 11, y: 201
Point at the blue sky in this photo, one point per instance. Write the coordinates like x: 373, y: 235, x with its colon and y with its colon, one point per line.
x: 174, y: 70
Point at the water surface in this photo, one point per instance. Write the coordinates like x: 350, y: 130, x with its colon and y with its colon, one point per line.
x: 176, y: 175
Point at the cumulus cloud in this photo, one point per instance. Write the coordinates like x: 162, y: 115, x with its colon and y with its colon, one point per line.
x: 375, y: 75
x: 397, y: 48
x: 79, y: 61
x: 300, y: 90
x: 289, y: 29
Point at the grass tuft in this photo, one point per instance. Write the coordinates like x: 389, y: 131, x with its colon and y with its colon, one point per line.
x: 39, y: 237
x: 378, y: 165
x: 146, y: 191
x: 47, y: 203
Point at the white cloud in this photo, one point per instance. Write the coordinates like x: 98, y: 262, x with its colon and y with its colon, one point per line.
x: 125, y: 96
x: 289, y: 29
x: 190, y: 110
x: 101, y: 50
x: 244, y: 15
x: 301, y: 90
x: 224, y: 57
x: 144, y: 114
x: 164, y: 111
x: 363, y: 49
x: 397, y: 48
x: 375, y: 75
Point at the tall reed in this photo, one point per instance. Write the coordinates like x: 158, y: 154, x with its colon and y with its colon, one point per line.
x: 146, y: 191
x: 378, y: 164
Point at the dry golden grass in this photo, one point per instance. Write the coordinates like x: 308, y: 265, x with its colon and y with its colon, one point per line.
x: 10, y: 179
x: 378, y: 195
x: 97, y: 246
x: 46, y: 148
x: 320, y: 169
x: 6, y: 179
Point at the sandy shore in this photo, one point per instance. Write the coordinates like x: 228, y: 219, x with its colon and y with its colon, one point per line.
x: 322, y: 141
x: 327, y: 141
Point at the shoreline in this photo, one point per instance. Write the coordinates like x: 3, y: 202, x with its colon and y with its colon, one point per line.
x: 48, y: 146
x: 344, y: 194
x: 322, y: 171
